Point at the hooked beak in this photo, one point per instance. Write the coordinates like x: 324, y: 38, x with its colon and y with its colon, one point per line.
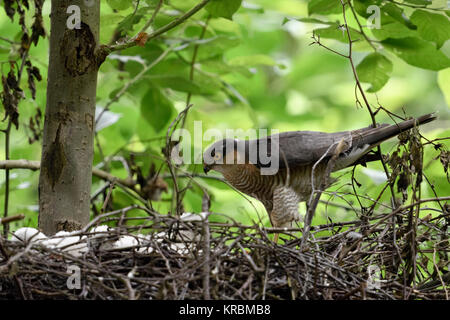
x: 206, y: 168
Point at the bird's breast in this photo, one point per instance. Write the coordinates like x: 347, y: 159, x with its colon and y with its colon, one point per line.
x: 252, y: 183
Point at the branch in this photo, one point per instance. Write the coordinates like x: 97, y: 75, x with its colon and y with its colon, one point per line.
x: 372, y: 114
x: 417, y: 6
x: 150, y: 21
x: 192, y: 64
x: 167, y: 153
x: 7, y: 133
x: 105, y: 50
x: 11, y: 219
x: 361, y: 28
x: 36, y: 165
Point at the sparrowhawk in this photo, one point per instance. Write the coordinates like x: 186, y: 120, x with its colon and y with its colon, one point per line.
x: 300, y: 160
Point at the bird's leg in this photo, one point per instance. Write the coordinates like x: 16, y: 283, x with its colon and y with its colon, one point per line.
x: 275, y: 240
x: 285, y: 209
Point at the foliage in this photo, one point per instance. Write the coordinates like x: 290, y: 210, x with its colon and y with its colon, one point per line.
x: 244, y: 65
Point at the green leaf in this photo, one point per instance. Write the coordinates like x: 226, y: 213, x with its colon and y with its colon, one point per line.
x: 218, y: 66
x: 334, y: 32
x: 152, y: 3
x: 391, y: 28
x: 128, y: 22
x: 146, y: 132
x: 417, y: 52
x: 253, y: 60
x: 209, y: 84
x: 119, y: 4
x: 374, y: 69
x: 324, y: 7
x: 444, y: 84
x: 419, y: 2
x: 361, y: 7
x: 126, y: 125
x: 308, y: 20
x: 223, y: 8
x: 176, y: 83
x: 225, y: 26
x: 156, y: 108
x: 216, y: 46
x: 432, y: 26
x: 171, y: 66
x: 392, y: 22
x: 109, y: 134
x: 150, y: 52
x: 194, y: 31
x: 396, y: 13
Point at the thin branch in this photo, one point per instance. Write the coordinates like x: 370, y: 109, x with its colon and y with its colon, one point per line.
x: 360, y: 27
x: 8, y: 40
x: 189, y: 95
x: 316, y: 39
x: 150, y: 21
x: 168, y: 154
x: 36, y: 165
x: 106, y: 50
x: 417, y: 6
x: 12, y: 219
x: 7, y: 133
x: 361, y: 90
x: 193, y: 62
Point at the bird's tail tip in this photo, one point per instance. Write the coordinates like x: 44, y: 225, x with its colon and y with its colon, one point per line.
x: 427, y: 117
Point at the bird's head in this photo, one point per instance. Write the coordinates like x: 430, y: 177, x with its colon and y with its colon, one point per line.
x: 222, y: 154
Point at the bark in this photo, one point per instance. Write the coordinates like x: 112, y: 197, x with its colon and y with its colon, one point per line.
x: 67, y: 151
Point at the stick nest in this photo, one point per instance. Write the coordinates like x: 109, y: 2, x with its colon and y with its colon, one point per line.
x: 180, y: 259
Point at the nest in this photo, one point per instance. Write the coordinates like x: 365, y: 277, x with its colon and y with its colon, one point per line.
x: 381, y: 257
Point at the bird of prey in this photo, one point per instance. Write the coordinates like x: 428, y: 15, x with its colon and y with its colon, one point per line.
x: 300, y: 160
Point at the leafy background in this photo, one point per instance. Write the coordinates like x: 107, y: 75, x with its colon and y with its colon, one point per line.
x: 255, y: 68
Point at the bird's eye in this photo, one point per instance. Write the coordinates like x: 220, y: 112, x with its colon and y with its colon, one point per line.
x: 217, y: 156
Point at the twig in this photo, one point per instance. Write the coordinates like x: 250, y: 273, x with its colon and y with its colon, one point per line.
x: 189, y: 95
x: 150, y: 21
x: 168, y: 154
x: 193, y: 62
x: 7, y: 150
x: 312, y: 204
x: 36, y: 165
x: 106, y: 50
x: 417, y: 6
x: 206, y: 257
x: 11, y: 219
x: 7, y: 144
x: 369, y: 41
x: 358, y: 83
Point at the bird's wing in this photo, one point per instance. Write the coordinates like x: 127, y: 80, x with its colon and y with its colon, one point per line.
x: 307, y: 147
x: 293, y: 149
x: 300, y: 148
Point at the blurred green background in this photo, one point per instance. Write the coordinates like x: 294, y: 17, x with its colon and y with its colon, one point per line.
x: 256, y: 72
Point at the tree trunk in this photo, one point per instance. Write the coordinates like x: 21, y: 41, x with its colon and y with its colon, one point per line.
x: 67, y: 151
